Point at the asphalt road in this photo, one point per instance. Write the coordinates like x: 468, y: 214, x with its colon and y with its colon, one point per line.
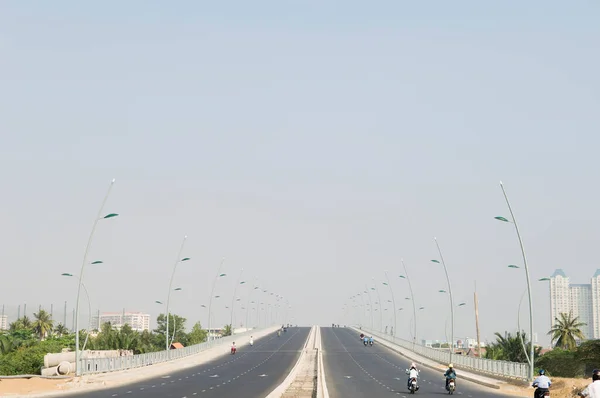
x: 251, y: 372
x: 353, y: 370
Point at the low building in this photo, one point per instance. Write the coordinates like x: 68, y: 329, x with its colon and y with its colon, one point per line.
x: 136, y: 320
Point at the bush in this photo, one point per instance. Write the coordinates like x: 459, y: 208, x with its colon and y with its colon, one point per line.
x: 29, y: 360
x: 561, y: 363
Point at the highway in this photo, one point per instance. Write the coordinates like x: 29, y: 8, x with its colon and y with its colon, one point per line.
x: 252, y: 372
x: 353, y: 370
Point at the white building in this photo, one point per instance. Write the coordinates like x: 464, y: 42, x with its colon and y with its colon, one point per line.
x: 3, y: 322
x: 581, y: 300
x: 136, y: 320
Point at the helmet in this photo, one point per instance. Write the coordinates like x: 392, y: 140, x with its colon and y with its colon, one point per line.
x: 596, y: 374
x: 542, y: 372
x: 412, y: 365
x: 450, y: 366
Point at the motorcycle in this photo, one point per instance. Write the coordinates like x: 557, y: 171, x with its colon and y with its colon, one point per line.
x: 371, y: 343
x: 412, y: 387
x: 451, y: 387
x: 365, y: 342
x: 540, y: 392
x: 233, y: 350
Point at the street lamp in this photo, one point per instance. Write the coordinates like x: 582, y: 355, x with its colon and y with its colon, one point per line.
x: 89, y: 306
x: 212, y: 292
x: 414, y: 305
x: 379, y: 302
x: 514, y: 222
x: 83, y: 263
x: 393, y: 300
x: 177, y: 261
x: 450, y: 295
x: 370, y: 306
x: 239, y: 282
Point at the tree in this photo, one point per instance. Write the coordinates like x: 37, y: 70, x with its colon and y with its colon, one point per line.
x: 176, y: 327
x: 7, y: 344
x: 197, y: 335
x: 510, y: 348
x: 566, y: 330
x: 226, y: 330
x: 43, y: 323
x: 61, y: 330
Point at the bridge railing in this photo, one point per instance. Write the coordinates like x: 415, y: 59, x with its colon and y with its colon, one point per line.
x: 514, y: 370
x: 103, y: 365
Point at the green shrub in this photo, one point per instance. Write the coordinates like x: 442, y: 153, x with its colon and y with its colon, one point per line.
x: 561, y: 363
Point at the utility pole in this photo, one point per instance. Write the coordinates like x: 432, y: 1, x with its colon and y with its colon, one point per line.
x: 477, y: 321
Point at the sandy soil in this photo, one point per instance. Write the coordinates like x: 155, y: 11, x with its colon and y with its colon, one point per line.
x: 561, y: 388
x: 20, y: 387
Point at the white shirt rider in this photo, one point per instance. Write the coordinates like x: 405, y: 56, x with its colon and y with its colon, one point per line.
x: 251, y: 341
x: 592, y: 391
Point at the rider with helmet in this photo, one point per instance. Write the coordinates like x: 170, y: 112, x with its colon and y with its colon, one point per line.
x: 450, y: 375
x: 541, y: 383
x: 593, y: 390
x: 413, y: 373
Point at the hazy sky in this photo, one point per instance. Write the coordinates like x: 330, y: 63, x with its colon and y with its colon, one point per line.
x: 312, y: 143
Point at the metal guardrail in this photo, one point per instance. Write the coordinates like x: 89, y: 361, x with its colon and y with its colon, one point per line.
x: 103, y: 365
x: 491, y: 367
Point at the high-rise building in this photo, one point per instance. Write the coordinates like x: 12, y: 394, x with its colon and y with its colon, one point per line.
x: 581, y: 300
x: 136, y: 320
x: 3, y: 322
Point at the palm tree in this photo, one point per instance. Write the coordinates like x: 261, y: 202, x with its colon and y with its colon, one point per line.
x: 6, y: 344
x: 566, y: 330
x: 226, y: 331
x: 43, y: 323
x: 61, y: 330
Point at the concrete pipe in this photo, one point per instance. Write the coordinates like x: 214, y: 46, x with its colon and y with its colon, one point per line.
x: 51, y: 360
x: 64, y: 368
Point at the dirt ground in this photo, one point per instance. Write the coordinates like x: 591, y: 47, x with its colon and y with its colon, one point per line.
x: 561, y: 388
x: 21, y: 387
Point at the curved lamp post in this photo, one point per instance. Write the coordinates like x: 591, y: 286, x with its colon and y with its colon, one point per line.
x: 370, y: 306
x: 179, y: 260
x: 89, y: 306
x: 83, y: 263
x: 212, y: 292
x: 414, y: 305
x: 449, y: 294
x: 239, y: 282
x: 255, y: 287
x: 379, y: 302
x: 514, y: 222
x: 393, y: 300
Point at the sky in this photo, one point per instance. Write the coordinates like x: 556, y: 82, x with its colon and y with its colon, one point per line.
x: 313, y: 144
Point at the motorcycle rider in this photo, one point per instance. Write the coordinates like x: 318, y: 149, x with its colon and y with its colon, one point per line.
x: 371, y: 340
x: 251, y: 341
x: 366, y: 340
x: 450, y: 375
x: 593, y: 390
x: 233, y: 349
x: 413, y: 373
x: 542, y: 383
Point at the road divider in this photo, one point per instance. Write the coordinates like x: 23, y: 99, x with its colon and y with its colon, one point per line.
x: 303, y: 379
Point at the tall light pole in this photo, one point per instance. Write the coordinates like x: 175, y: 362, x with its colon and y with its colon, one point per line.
x: 254, y: 287
x: 239, y: 282
x: 412, y: 296
x: 379, y: 300
x: 177, y: 261
x: 370, y: 306
x: 449, y: 294
x: 212, y: 292
x: 89, y: 307
x: 514, y: 222
x: 83, y: 263
x: 393, y: 300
